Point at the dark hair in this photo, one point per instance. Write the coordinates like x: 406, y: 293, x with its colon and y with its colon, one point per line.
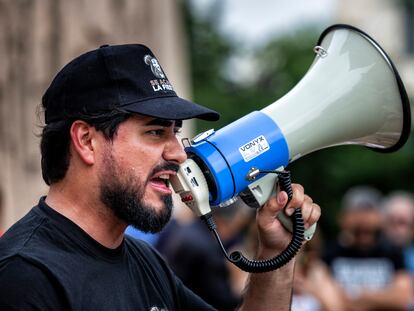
x: 361, y: 197
x: 55, y: 141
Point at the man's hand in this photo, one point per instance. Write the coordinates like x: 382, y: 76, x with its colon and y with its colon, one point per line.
x: 273, y: 237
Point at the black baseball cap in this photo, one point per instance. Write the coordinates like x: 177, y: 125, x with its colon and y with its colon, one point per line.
x: 117, y: 77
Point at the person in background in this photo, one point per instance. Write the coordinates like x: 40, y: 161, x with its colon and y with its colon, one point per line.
x: 398, y: 209
x: 370, y: 272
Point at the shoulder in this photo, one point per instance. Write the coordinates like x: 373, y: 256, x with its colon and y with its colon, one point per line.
x: 394, y: 254
x: 25, y: 285
x: 30, y: 236
x: 20, y: 270
x: 21, y: 234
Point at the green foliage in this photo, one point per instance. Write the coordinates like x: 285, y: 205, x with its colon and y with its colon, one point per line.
x: 279, y: 65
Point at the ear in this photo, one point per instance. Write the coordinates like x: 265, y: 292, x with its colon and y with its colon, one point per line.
x: 83, y: 138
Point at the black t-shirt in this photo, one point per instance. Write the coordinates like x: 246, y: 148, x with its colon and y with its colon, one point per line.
x: 47, y: 262
x: 195, y: 256
x: 359, y: 270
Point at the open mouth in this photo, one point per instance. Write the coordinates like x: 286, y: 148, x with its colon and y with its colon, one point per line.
x: 161, y: 182
x: 165, y: 179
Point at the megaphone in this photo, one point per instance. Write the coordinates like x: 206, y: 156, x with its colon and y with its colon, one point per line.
x: 352, y: 94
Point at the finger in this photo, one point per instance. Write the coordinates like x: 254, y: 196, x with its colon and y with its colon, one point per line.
x: 297, y: 199
x: 314, y: 215
x: 282, y: 198
x: 306, y: 207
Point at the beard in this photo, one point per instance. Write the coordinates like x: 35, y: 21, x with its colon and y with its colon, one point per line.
x: 125, y: 198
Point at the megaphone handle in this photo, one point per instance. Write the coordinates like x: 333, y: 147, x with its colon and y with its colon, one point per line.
x: 286, y: 185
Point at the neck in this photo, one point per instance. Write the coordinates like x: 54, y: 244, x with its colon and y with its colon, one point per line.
x: 88, y: 212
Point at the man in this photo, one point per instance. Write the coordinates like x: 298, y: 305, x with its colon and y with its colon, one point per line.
x: 398, y: 209
x: 370, y: 272
x: 108, y: 149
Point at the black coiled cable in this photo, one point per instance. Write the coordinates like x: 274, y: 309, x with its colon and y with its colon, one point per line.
x: 255, y: 266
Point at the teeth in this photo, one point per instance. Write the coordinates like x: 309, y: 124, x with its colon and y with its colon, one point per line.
x: 165, y: 176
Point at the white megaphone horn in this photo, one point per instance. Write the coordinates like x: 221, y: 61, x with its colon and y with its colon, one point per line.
x: 351, y: 94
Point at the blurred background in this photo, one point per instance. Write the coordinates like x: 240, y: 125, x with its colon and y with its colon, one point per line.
x: 257, y: 53
x: 233, y: 56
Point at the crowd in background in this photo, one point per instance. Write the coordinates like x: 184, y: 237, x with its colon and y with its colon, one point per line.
x: 369, y: 265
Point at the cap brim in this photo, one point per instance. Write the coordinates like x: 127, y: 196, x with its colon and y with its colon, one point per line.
x: 172, y: 108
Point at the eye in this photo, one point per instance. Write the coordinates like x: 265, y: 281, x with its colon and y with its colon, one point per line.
x: 164, y: 132
x: 157, y: 132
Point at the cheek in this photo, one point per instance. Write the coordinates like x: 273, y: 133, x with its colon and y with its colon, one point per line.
x: 135, y: 155
x: 139, y: 163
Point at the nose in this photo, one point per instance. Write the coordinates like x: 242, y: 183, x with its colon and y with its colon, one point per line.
x: 174, y: 151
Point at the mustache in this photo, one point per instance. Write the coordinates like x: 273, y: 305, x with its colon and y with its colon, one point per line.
x: 169, y: 166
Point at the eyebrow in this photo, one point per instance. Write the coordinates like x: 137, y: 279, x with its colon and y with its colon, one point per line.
x: 166, y: 123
